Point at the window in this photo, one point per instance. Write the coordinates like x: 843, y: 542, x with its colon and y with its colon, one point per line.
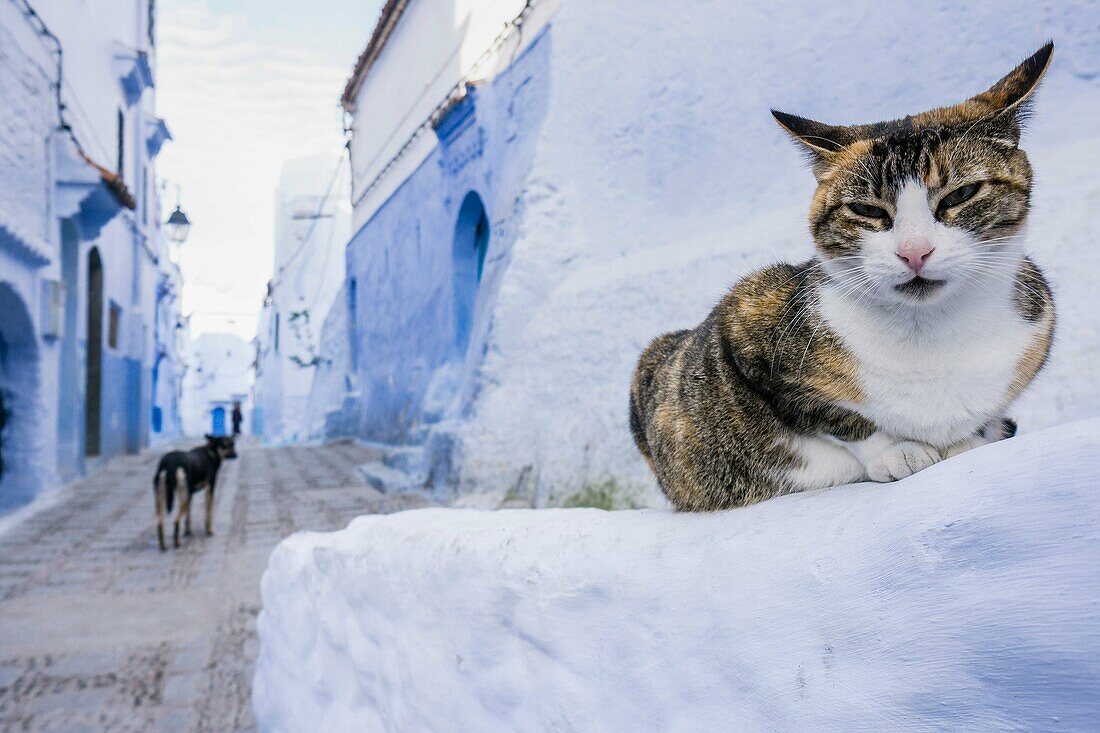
x: 121, y: 143
x: 114, y: 318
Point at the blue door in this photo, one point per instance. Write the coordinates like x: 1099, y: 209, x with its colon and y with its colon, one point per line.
x: 218, y: 427
x: 471, y: 244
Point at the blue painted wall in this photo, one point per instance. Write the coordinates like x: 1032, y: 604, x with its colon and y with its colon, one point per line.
x: 19, y: 397
x: 409, y: 271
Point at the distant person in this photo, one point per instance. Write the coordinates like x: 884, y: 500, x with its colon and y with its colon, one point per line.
x: 238, y: 418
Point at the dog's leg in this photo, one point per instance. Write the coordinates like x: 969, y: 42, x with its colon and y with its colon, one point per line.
x: 183, y: 490
x: 210, y: 508
x: 187, y: 516
x: 161, y: 490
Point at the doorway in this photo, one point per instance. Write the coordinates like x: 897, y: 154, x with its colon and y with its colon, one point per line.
x: 217, y: 426
x: 93, y: 392
x: 471, y: 244
x: 21, y: 459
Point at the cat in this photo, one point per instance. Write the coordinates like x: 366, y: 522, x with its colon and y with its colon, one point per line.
x: 902, y: 343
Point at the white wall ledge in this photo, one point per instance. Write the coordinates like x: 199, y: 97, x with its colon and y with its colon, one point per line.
x: 966, y: 597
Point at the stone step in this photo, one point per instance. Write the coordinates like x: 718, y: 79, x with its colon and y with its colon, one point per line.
x: 408, y: 458
x: 390, y: 480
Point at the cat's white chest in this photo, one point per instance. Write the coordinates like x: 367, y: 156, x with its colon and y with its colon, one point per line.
x: 937, y: 380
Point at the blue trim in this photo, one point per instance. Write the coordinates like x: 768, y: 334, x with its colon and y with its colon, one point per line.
x: 135, y: 75
x: 404, y: 183
x: 458, y: 118
x: 18, y: 245
x: 97, y: 210
x: 156, y: 134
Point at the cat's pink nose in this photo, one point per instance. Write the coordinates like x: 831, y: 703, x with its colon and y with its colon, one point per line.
x: 915, y: 252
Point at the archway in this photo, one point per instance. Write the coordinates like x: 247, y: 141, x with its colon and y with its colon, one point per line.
x: 21, y: 462
x: 93, y: 388
x: 217, y: 421
x: 471, y: 244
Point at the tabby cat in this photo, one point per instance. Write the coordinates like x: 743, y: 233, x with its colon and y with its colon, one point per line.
x: 900, y: 344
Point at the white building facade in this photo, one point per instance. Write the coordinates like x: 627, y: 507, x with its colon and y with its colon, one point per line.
x: 312, y: 220
x: 86, y: 283
x: 219, y: 378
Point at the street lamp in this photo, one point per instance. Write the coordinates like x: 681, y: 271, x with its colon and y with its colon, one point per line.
x: 178, y: 226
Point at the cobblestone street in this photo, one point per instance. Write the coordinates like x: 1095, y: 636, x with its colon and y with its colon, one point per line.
x: 100, y: 631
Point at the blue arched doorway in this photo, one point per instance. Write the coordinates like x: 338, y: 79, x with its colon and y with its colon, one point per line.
x: 20, y: 422
x: 217, y: 421
x: 471, y: 244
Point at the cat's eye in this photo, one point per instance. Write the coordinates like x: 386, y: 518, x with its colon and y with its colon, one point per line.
x: 958, y: 196
x: 868, y: 211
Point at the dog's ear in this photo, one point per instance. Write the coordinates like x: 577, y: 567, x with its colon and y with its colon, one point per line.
x: 210, y: 438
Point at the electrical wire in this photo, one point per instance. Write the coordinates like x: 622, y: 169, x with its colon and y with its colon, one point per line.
x: 456, y: 91
x: 40, y: 27
x: 313, y: 223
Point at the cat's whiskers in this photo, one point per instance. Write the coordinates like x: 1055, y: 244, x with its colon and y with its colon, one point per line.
x: 1009, y: 279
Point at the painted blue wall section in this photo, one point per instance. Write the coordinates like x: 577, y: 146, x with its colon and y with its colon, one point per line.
x: 114, y: 428
x: 412, y: 259
x: 19, y: 399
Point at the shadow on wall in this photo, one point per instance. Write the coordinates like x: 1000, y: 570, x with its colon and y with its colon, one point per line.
x: 20, y: 466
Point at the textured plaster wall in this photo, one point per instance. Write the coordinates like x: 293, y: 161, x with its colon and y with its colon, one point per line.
x: 312, y: 223
x: 35, y: 159
x: 402, y: 257
x: 28, y: 364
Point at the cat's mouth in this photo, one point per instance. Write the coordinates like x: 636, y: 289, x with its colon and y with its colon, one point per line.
x: 920, y: 288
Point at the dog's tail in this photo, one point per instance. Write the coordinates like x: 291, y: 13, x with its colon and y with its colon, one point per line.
x: 160, y: 488
x: 167, y: 481
x: 178, y: 484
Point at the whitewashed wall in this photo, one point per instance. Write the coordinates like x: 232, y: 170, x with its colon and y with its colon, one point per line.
x: 220, y: 368
x: 312, y: 227
x: 34, y: 155
x: 434, y: 46
x: 963, y: 598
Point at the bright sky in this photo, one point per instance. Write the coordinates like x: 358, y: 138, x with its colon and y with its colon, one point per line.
x: 244, y: 85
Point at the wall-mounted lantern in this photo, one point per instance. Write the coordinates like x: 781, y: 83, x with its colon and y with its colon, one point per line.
x: 178, y: 226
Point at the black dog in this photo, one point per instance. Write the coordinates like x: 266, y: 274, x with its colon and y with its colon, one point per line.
x: 189, y: 472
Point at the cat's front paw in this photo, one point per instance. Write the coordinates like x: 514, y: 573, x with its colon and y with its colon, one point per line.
x: 999, y: 428
x: 901, y: 460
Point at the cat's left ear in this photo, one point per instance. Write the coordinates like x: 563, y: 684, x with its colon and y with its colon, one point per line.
x: 816, y: 139
x: 1008, y: 101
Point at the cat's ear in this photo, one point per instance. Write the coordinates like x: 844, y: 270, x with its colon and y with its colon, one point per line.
x: 1007, y: 103
x: 1017, y: 86
x: 816, y: 137
x: 820, y: 142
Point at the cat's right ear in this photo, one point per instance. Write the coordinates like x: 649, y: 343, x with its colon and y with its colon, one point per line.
x: 819, y: 141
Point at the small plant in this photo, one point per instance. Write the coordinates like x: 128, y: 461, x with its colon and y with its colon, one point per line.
x: 606, y: 495
x: 299, y: 326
